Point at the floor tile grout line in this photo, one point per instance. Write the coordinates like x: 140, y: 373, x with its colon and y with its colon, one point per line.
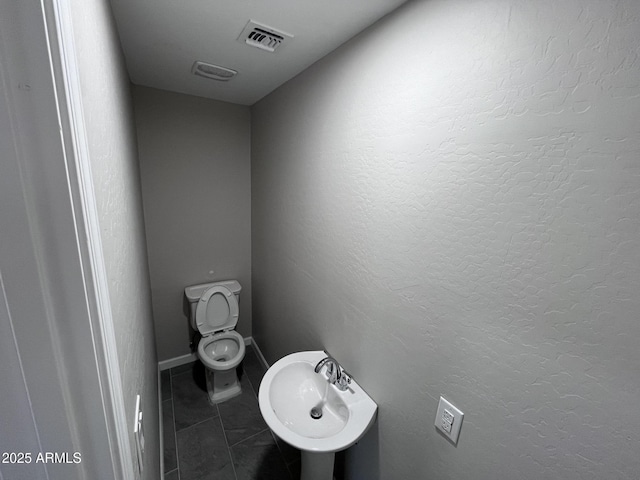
x: 175, y: 433
x: 195, y: 424
x: 249, y: 437
x: 226, y: 441
x: 289, y: 469
x: 251, y: 387
x: 275, y: 439
x: 255, y: 394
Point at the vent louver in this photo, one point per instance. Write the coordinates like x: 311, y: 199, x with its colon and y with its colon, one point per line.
x: 263, y: 37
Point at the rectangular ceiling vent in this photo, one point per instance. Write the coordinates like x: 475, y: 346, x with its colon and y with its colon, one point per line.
x: 263, y: 37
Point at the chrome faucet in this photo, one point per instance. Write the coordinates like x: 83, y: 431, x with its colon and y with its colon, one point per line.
x: 335, y: 373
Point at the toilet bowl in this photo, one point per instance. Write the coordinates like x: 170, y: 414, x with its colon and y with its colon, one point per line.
x: 222, y: 351
x: 214, y: 313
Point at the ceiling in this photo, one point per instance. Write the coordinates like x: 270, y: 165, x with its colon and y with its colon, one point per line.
x: 162, y: 39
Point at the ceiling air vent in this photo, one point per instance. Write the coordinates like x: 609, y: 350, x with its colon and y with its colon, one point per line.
x: 263, y: 37
x: 214, y: 72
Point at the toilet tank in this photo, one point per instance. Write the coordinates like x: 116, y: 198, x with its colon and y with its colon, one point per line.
x: 194, y: 292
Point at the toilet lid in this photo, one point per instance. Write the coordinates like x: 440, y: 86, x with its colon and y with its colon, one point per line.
x: 217, y: 310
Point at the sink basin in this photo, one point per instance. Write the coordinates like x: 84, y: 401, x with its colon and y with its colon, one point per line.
x: 291, y: 389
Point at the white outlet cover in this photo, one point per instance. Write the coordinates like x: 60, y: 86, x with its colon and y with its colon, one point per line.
x: 451, y: 431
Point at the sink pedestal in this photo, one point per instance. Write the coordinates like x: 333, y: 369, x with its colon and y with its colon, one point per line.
x: 317, y: 465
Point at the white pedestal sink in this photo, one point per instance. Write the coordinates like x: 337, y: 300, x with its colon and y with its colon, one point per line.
x: 288, y: 392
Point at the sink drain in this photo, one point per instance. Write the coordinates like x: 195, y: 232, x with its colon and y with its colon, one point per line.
x: 316, y: 413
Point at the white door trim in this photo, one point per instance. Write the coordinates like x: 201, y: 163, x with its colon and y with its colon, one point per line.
x: 59, y: 30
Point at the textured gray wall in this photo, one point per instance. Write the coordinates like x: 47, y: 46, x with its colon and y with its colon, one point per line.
x: 450, y: 204
x: 108, y: 115
x: 196, y: 184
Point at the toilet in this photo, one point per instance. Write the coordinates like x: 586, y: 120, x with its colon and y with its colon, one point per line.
x: 214, y: 313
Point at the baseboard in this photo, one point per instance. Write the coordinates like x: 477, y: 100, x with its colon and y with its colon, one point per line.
x: 177, y: 361
x: 253, y: 343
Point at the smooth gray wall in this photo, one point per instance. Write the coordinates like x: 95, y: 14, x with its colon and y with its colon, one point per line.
x: 108, y: 113
x: 450, y: 204
x: 196, y: 186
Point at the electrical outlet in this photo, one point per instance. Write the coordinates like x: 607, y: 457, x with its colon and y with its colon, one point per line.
x: 449, y: 420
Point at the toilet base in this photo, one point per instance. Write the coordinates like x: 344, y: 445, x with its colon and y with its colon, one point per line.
x: 222, y: 385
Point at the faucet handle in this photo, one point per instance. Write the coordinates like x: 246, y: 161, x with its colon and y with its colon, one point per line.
x: 343, y: 381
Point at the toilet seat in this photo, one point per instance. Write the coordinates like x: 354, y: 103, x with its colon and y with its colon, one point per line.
x: 216, y: 318
x: 217, y: 311
x: 210, y: 361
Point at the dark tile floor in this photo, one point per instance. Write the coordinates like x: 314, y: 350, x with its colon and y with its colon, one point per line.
x: 228, y: 441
